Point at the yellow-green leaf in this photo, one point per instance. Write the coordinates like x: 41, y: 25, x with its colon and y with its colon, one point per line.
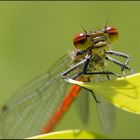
x: 122, y: 92
x: 70, y: 134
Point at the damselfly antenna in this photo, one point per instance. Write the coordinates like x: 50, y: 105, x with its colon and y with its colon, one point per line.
x: 106, y: 23
x: 84, y: 29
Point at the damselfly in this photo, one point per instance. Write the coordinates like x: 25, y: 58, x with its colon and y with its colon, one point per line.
x: 37, y: 107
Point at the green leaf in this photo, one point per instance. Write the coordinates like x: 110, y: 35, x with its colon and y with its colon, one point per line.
x: 122, y: 92
x: 70, y: 134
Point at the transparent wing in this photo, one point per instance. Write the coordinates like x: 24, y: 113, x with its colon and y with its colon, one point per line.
x: 106, y: 113
x: 28, y: 110
x: 105, y: 110
x: 32, y: 106
x: 82, y: 104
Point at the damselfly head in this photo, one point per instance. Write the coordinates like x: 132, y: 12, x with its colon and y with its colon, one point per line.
x: 83, y: 41
x: 112, y: 32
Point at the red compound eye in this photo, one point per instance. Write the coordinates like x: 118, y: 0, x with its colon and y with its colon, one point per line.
x: 112, y: 32
x: 81, y: 41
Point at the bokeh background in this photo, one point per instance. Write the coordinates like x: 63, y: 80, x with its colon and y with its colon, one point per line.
x: 33, y: 35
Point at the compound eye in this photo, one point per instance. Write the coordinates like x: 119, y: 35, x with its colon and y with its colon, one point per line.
x: 79, y: 38
x: 81, y: 41
x: 112, y: 32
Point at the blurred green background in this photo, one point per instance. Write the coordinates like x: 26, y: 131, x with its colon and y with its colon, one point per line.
x: 33, y: 35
